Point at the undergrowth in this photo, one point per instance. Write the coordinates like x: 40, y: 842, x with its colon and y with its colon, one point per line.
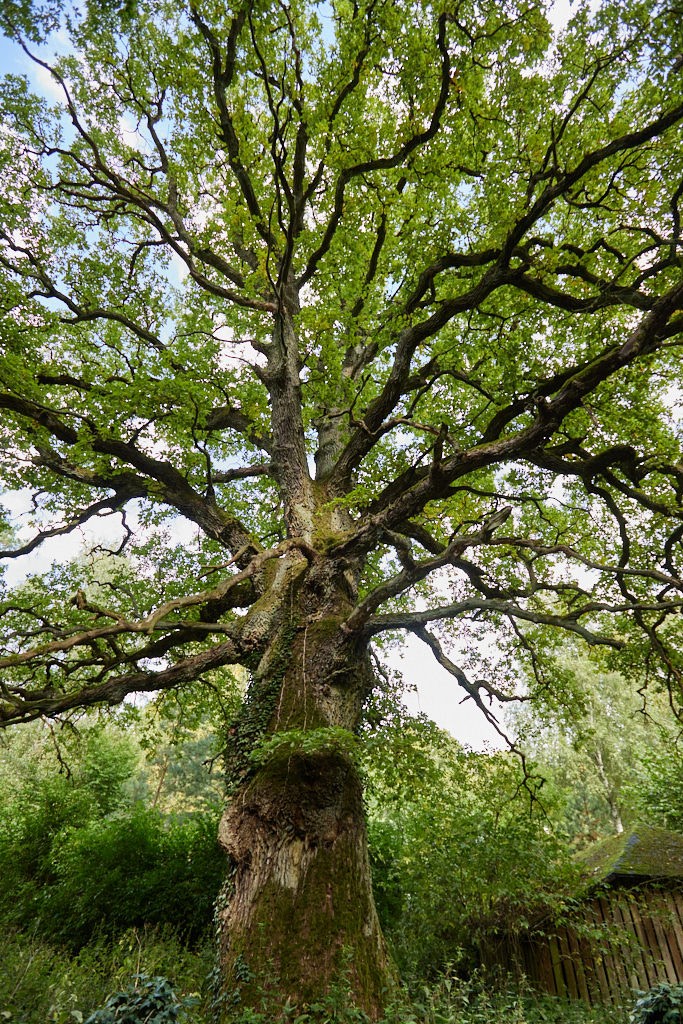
x: 41, y: 983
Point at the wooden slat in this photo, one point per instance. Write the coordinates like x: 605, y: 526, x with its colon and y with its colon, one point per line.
x: 664, y: 950
x: 614, y: 966
x: 560, y: 988
x: 627, y: 942
x: 622, y: 940
x: 568, y: 964
x: 666, y: 937
x: 577, y: 959
x: 650, y: 972
x: 657, y: 966
x: 532, y: 961
x: 669, y: 919
x: 599, y: 966
x: 586, y: 954
x: 499, y: 953
x: 537, y: 962
x: 543, y: 974
x: 640, y: 978
x: 659, y: 946
x: 632, y: 951
x: 675, y: 905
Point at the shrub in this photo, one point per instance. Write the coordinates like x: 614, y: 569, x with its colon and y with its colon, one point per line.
x: 151, y: 1001
x: 38, y: 805
x: 137, y: 869
x: 663, y: 1004
x: 70, y: 871
x: 455, y: 861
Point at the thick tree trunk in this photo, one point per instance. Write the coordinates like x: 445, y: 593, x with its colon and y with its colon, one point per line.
x: 298, y: 918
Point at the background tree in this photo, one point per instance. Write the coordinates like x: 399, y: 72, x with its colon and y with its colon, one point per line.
x: 86, y: 850
x: 385, y: 300
x: 462, y: 849
x: 604, y: 747
x: 658, y: 785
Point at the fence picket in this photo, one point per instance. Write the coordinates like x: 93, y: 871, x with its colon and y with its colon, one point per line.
x: 642, y: 945
x: 674, y: 903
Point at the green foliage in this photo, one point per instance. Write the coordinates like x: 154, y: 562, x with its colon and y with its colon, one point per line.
x: 475, y: 1000
x: 152, y: 1000
x: 35, y: 18
x: 606, y: 745
x: 657, y: 787
x: 79, y: 854
x: 43, y: 983
x: 138, y: 868
x: 181, y: 734
x: 87, y: 863
x: 448, y: 999
x: 41, y: 807
x: 663, y: 1004
x: 87, y: 769
x: 449, y: 830
x: 305, y: 742
x: 475, y: 143
x: 461, y: 845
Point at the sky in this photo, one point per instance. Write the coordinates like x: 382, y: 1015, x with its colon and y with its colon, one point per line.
x: 435, y: 692
x: 438, y: 696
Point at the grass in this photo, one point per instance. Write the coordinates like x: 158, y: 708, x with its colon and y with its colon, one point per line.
x: 41, y: 983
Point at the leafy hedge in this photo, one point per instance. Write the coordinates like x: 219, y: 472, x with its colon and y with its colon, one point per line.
x: 79, y: 855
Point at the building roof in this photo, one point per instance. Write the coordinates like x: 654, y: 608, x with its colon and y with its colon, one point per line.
x: 640, y: 853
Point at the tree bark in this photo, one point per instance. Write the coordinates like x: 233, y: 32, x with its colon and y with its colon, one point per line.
x: 297, y: 918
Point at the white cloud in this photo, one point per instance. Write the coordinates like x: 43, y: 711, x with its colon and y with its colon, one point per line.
x: 45, y: 83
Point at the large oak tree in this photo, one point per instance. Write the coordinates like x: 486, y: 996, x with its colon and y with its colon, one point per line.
x: 385, y: 298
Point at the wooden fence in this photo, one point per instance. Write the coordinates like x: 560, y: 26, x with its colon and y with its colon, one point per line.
x: 618, y: 943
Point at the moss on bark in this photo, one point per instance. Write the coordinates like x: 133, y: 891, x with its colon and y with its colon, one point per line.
x: 298, y: 920
x: 301, y: 921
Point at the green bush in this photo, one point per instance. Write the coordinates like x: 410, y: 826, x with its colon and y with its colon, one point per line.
x: 458, y: 852
x: 79, y: 856
x: 111, y: 874
x: 151, y: 1001
x: 663, y: 1004
x: 39, y: 803
x: 41, y: 983
x: 136, y: 869
x: 454, y: 1000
